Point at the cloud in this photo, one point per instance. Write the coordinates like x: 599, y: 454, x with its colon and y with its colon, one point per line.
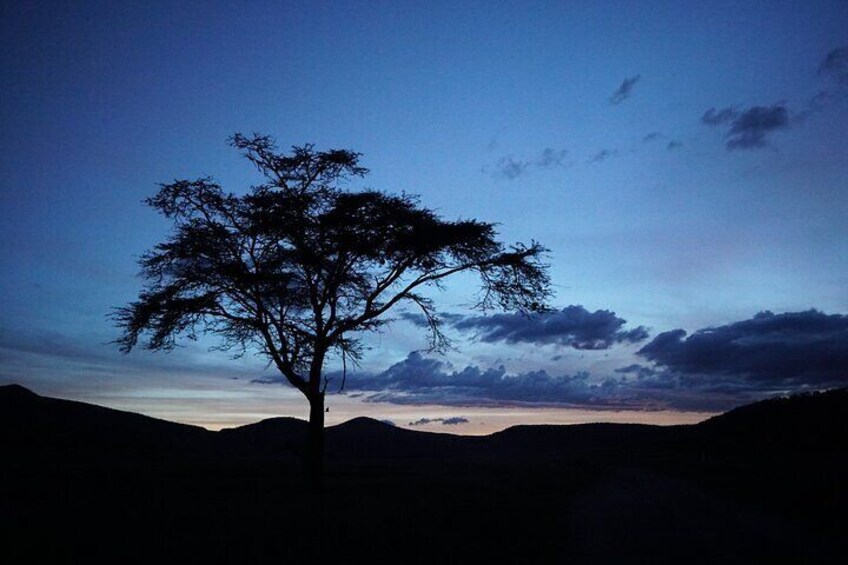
x: 748, y: 129
x: 452, y: 421
x: 641, y: 371
x: 674, y: 144
x: 420, y: 320
x: 602, y: 155
x: 510, y: 168
x: 835, y: 65
x: 625, y: 90
x: 552, y: 157
x: 420, y: 380
x: 713, y: 117
x: 834, y: 70
x: 816, y: 104
x: 767, y: 352
x: 712, y: 369
x: 653, y: 136
x: 573, y: 326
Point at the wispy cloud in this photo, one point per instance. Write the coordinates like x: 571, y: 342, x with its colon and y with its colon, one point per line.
x: 834, y: 71
x: 713, y: 117
x: 835, y: 65
x: 452, y: 421
x: 552, y: 157
x: 625, y: 90
x: 603, y: 155
x: 511, y: 168
x: 656, y: 136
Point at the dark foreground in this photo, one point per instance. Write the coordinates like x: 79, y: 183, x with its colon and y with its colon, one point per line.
x: 765, y: 483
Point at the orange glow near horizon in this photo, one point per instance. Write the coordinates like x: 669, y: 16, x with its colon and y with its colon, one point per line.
x: 238, y: 406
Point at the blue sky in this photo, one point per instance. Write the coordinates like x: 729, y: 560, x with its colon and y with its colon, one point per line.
x: 585, y: 125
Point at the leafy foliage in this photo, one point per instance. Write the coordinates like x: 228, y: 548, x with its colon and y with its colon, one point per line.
x: 299, y: 268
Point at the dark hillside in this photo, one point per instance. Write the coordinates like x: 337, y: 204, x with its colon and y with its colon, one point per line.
x: 806, y: 421
x: 32, y: 422
x: 270, y: 437
x: 763, y: 483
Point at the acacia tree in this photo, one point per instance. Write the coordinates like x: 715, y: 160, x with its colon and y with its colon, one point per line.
x: 298, y: 269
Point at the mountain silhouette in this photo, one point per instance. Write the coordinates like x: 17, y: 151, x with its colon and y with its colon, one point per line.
x: 761, y: 483
x: 28, y: 420
x: 806, y: 421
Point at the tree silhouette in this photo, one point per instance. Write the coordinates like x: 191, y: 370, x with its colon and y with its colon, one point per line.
x: 298, y: 269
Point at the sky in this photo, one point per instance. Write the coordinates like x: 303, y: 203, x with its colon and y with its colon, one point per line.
x: 686, y: 165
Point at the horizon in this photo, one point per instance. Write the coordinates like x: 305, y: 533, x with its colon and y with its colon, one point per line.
x: 531, y: 416
x: 686, y: 166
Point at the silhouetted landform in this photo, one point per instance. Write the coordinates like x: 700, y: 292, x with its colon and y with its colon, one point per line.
x: 33, y: 421
x: 761, y: 483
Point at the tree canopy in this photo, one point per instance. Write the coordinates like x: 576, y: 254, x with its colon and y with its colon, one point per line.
x: 298, y: 268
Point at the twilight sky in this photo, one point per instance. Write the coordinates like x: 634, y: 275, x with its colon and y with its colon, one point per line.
x: 687, y: 166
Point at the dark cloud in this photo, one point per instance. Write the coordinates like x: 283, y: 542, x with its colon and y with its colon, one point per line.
x: 768, y: 351
x: 552, y: 157
x: 455, y: 420
x: 653, y: 136
x: 602, y: 155
x: 452, y: 421
x: 674, y: 144
x: 420, y: 380
x: 625, y: 90
x: 712, y: 369
x: 835, y: 65
x: 420, y: 320
x: 510, y: 169
x: 749, y: 128
x: 573, y: 326
x: 834, y: 69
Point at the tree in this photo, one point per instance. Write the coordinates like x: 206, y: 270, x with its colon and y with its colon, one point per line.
x: 298, y: 269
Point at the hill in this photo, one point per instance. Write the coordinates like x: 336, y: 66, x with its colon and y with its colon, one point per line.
x: 32, y: 422
x: 807, y: 421
x: 764, y: 482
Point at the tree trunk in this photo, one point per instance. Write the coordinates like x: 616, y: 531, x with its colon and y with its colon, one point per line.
x: 315, y: 442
